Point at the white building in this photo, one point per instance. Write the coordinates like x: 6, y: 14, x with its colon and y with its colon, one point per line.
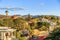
x: 6, y: 33
x: 44, y: 20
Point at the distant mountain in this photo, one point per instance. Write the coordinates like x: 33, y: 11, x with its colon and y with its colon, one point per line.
x: 1, y: 16
x: 33, y: 16
x: 36, y: 16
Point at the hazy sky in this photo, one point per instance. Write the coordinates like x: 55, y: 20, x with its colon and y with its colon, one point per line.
x: 34, y: 7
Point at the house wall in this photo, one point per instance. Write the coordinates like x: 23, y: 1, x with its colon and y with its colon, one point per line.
x: 4, y: 37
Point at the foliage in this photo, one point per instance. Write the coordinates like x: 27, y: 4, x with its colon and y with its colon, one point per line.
x: 54, y: 35
x: 40, y: 24
x: 43, y: 28
x: 22, y: 23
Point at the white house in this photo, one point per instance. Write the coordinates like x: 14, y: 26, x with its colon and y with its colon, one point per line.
x: 6, y: 33
x: 44, y: 20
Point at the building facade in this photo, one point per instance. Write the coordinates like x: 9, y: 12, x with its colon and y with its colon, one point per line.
x: 6, y: 33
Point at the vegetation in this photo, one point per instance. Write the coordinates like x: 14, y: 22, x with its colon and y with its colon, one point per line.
x: 54, y: 35
x: 31, y: 23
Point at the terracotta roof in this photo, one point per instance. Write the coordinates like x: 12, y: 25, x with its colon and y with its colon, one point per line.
x: 42, y: 37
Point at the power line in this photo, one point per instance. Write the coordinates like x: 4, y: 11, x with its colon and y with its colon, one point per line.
x: 12, y: 9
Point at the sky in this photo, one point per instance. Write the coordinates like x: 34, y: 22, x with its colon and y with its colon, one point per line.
x: 33, y: 7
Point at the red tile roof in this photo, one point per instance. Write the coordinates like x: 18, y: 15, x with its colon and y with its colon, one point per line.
x: 42, y: 37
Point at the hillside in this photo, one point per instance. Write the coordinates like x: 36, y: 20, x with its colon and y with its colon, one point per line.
x: 39, y: 25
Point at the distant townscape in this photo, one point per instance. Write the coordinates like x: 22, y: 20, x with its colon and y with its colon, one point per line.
x: 29, y: 27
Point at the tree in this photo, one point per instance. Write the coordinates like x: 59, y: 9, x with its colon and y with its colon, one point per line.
x: 54, y: 35
x: 5, y: 22
x: 1, y: 23
x: 40, y: 24
x: 10, y: 23
x: 43, y: 28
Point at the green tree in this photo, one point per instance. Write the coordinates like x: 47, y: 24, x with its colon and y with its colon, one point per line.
x: 5, y: 22
x: 40, y: 24
x: 17, y: 23
x: 43, y: 26
x: 10, y: 22
x: 1, y: 23
x: 54, y: 35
